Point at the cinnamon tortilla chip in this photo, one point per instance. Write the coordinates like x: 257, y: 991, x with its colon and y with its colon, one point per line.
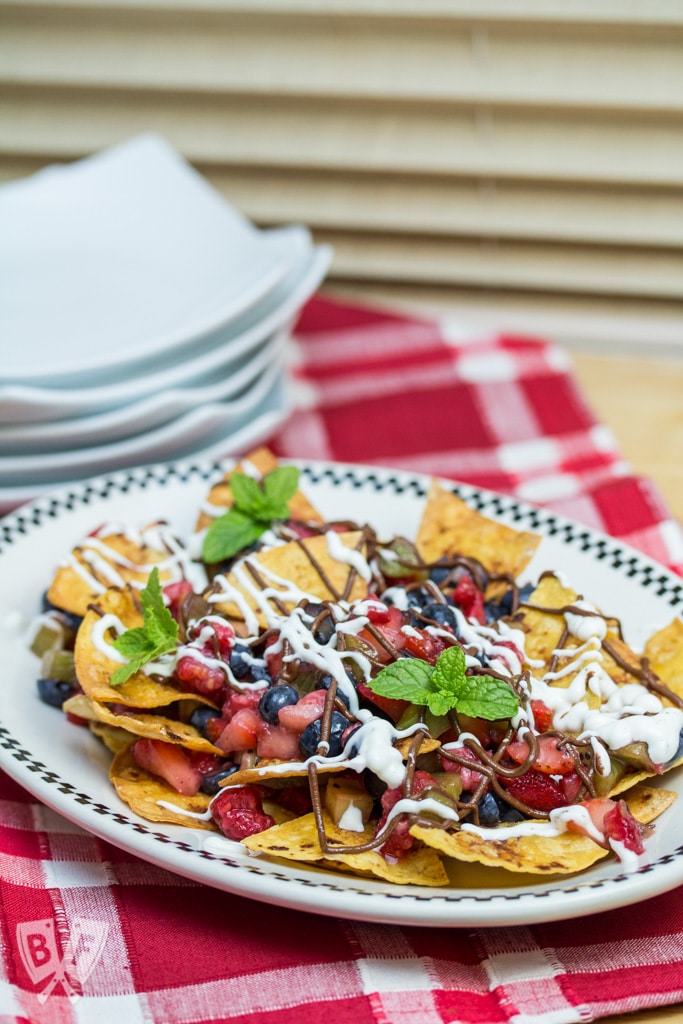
x: 142, y: 791
x: 141, y: 723
x: 664, y: 650
x: 565, y: 853
x: 449, y: 526
x: 287, y: 571
x: 98, y: 563
x: 219, y: 498
x: 298, y: 840
x: 94, y: 668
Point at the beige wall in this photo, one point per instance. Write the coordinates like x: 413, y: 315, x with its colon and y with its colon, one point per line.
x: 522, y: 158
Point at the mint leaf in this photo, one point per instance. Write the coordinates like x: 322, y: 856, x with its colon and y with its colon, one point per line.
x: 450, y: 669
x: 229, y: 534
x: 446, y: 687
x: 407, y: 679
x: 158, y: 634
x: 255, y: 506
x: 487, y: 697
x: 281, y: 484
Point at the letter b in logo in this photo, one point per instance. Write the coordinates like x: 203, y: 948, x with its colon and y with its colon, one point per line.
x: 38, y: 949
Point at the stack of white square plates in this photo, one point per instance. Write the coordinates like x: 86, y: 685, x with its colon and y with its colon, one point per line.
x: 142, y: 318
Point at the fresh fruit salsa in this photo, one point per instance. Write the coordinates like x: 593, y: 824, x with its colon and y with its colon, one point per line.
x: 381, y: 706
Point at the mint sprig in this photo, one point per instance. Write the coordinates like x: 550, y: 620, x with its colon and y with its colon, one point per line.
x: 255, y: 506
x: 158, y: 634
x: 446, y: 687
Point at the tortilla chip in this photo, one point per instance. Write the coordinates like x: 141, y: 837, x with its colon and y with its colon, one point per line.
x: 449, y: 526
x: 291, y: 564
x: 565, y: 853
x: 94, y: 669
x: 113, y: 737
x: 153, y: 727
x: 664, y: 650
x: 220, y: 495
x: 79, y: 581
x: 298, y: 840
x: 544, y: 631
x: 142, y: 791
x: 272, y: 771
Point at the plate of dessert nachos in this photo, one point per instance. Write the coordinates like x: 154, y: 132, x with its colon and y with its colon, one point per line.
x: 348, y: 690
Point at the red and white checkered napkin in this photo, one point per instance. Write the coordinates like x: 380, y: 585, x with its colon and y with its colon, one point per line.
x: 498, y: 412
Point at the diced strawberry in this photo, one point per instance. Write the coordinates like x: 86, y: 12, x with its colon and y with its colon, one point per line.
x: 377, y: 611
x: 241, y: 732
x: 205, y: 763
x: 393, y: 708
x: 470, y: 778
x: 551, y: 759
x: 538, y: 791
x: 237, y: 700
x: 274, y: 741
x: 571, y: 784
x: 214, y: 727
x: 169, y: 762
x: 614, y: 819
x: 273, y: 660
x: 399, y: 842
x: 469, y: 599
x: 76, y: 719
x: 543, y: 716
x: 423, y: 645
x: 174, y: 594
x: 296, y: 717
x: 391, y: 630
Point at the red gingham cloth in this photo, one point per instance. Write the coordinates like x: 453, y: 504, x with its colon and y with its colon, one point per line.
x: 498, y: 412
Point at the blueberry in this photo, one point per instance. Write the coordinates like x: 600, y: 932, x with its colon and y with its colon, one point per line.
x: 439, y: 573
x: 325, y: 682
x: 511, y: 815
x: 239, y: 666
x: 441, y: 613
x: 275, y: 698
x: 679, y: 752
x: 243, y: 665
x: 310, y: 737
x: 489, y: 812
x: 54, y: 691
x: 211, y: 784
x: 497, y: 609
x: 201, y: 716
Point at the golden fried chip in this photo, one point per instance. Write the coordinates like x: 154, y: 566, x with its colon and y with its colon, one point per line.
x: 298, y: 840
x: 151, y: 726
x: 449, y: 526
x: 142, y: 791
x: 544, y: 632
x: 283, y: 574
x: 565, y: 853
x: 113, y: 737
x: 111, y: 560
x: 220, y: 495
x: 270, y: 771
x: 94, y: 668
x: 664, y: 650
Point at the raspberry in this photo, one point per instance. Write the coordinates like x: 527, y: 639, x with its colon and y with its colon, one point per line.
x: 400, y: 841
x: 196, y: 677
x: 238, y: 812
x: 621, y: 826
x: 239, y: 824
x: 469, y: 599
